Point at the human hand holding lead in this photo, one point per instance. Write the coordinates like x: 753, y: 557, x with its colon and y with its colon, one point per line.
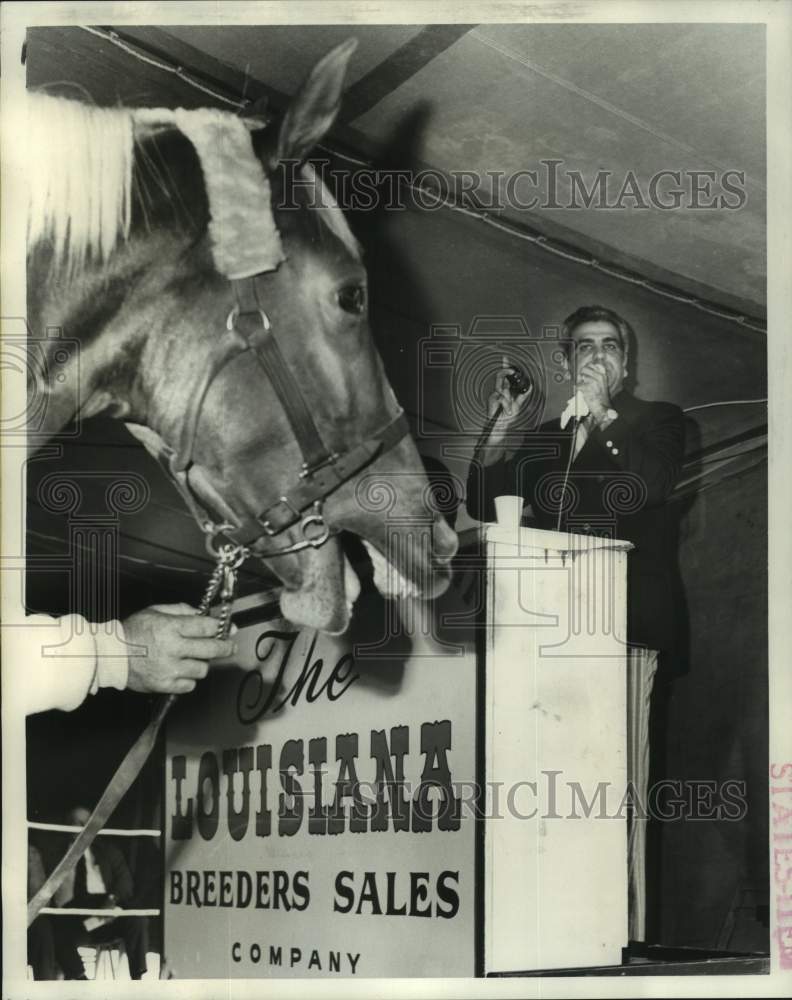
x: 177, y: 645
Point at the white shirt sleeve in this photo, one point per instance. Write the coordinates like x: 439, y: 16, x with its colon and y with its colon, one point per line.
x: 58, y: 662
x: 94, y: 883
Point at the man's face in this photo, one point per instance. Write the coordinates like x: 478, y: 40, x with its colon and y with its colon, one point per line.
x: 598, y: 342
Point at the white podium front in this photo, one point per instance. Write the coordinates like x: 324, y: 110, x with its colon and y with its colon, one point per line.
x: 555, y: 854
x: 319, y: 820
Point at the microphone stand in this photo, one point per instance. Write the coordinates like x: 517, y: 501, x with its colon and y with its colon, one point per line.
x: 487, y: 429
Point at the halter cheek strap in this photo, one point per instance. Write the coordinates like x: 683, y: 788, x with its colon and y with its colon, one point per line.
x: 323, y: 470
x: 314, y: 486
x: 250, y: 322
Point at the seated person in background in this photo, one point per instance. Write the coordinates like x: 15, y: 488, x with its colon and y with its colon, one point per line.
x: 40, y: 943
x: 100, y: 880
x: 608, y: 471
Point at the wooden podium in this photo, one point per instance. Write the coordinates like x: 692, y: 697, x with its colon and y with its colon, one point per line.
x: 555, y: 852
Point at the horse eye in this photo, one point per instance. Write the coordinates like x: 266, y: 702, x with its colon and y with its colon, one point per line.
x: 352, y: 299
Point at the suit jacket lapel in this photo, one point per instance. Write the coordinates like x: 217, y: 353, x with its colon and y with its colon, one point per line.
x: 623, y: 403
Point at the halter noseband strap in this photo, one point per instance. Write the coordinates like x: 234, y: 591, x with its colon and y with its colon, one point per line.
x: 323, y: 470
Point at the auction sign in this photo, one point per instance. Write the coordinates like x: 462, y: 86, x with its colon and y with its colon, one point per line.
x: 318, y: 802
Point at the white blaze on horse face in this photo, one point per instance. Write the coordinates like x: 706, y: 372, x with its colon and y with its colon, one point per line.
x: 331, y: 214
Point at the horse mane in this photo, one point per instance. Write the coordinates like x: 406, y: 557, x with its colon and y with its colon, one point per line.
x: 82, y: 180
x: 80, y: 177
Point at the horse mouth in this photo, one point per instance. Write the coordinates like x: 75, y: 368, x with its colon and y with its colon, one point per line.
x: 388, y: 578
x: 333, y: 576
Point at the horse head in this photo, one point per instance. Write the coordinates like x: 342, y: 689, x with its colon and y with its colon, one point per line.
x: 229, y: 329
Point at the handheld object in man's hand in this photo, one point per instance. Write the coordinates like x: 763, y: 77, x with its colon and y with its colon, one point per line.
x: 518, y: 384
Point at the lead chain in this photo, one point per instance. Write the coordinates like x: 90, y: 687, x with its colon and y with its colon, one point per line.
x: 222, y: 583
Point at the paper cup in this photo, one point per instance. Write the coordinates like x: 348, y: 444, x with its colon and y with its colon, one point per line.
x: 508, y: 511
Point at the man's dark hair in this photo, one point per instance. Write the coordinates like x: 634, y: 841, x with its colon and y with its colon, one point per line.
x: 596, y: 314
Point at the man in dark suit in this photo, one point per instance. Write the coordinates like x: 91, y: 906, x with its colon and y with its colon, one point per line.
x: 101, y: 880
x: 616, y: 466
x: 607, y: 466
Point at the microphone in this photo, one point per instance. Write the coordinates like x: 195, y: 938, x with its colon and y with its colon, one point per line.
x: 577, y: 407
x: 519, y: 383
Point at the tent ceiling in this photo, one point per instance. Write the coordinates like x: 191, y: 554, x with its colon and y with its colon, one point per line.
x: 617, y: 97
x: 640, y: 98
x: 622, y: 98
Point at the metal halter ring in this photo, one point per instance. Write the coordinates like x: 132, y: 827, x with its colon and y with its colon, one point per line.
x: 212, y: 532
x: 315, y: 519
x: 232, y: 318
x: 306, y: 543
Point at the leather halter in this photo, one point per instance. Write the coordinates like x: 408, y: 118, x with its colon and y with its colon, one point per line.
x: 248, y: 328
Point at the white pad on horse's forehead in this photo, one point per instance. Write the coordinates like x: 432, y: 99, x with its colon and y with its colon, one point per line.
x: 245, y: 239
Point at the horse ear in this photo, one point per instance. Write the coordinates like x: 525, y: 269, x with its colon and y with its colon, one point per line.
x: 314, y: 109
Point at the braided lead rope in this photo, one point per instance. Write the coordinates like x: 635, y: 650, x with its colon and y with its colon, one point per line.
x: 223, y: 582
